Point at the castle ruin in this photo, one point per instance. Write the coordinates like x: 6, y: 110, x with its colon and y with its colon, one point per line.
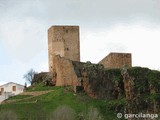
x: 64, y: 51
x: 117, y: 60
x: 112, y: 78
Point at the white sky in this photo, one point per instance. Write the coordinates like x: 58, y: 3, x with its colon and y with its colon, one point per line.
x: 105, y: 26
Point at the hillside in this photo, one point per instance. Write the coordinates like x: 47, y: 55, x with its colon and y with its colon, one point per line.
x: 43, y: 106
x: 133, y: 90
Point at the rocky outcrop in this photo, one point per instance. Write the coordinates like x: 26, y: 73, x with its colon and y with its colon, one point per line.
x: 44, y: 77
x: 97, y: 82
x: 138, y: 88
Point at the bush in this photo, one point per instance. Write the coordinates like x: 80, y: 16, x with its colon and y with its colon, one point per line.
x: 91, y: 114
x: 63, y: 113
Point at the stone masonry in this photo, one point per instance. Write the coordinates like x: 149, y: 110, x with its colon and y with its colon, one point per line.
x: 63, y: 41
x: 65, y: 72
x: 64, y: 50
x: 117, y: 60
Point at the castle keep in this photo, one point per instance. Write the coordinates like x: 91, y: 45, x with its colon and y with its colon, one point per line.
x: 63, y: 41
x: 64, y: 57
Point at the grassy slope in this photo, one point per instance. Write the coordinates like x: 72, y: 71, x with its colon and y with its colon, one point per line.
x: 41, y: 106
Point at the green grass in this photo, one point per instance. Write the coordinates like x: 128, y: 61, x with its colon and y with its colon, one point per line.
x: 19, y: 97
x: 40, y: 107
x: 41, y: 87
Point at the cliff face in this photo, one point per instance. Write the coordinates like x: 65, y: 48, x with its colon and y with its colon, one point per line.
x: 98, y: 82
x: 138, y: 88
x: 143, y: 92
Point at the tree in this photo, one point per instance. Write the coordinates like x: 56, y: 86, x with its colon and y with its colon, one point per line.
x: 29, y: 76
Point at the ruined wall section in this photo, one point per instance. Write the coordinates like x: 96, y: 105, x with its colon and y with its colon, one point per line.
x: 65, y: 72
x: 63, y: 41
x: 117, y: 60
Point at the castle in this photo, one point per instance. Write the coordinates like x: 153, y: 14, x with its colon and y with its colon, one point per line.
x: 63, y: 41
x: 64, y: 51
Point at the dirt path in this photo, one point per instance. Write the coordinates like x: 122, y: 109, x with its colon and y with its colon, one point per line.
x: 34, y: 94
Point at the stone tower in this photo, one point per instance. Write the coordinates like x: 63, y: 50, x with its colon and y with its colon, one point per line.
x: 63, y: 41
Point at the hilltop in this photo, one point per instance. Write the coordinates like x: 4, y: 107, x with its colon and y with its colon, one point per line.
x: 135, y: 90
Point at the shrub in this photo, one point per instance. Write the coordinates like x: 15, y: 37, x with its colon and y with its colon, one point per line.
x: 91, y: 114
x: 63, y: 113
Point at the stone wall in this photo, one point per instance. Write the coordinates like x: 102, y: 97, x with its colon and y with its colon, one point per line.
x: 117, y: 60
x: 63, y: 41
x: 65, y: 73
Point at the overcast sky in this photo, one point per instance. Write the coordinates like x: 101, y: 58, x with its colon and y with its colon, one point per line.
x: 105, y: 26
